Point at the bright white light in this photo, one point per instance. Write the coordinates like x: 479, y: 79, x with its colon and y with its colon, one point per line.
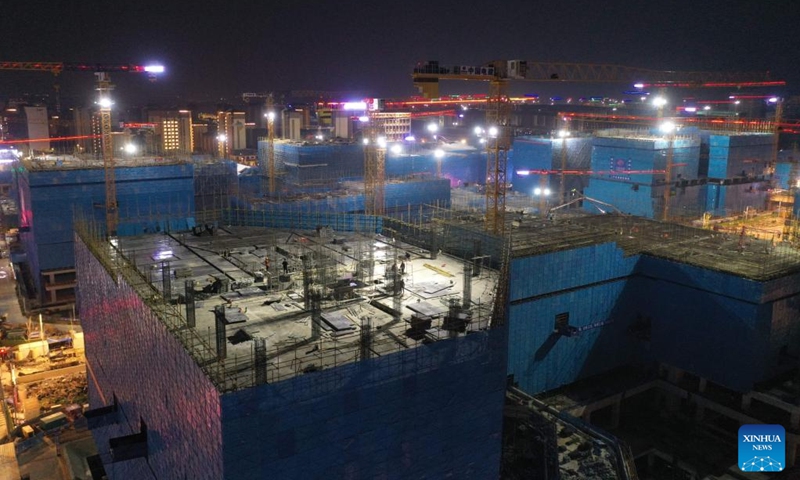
x: 478, y: 130
x: 659, y: 101
x: 463, y: 141
x: 154, y: 68
x: 482, y: 140
x: 382, y: 142
x: 690, y: 109
x: 433, y: 128
x: 438, y: 153
x: 707, y: 108
x: 410, y: 138
x: 537, y: 191
x: 222, y: 137
x: 355, y: 105
x: 105, y: 102
x: 397, y: 149
x: 644, y: 98
x: 365, y: 141
x: 318, y: 137
x: 667, y: 127
x: 773, y: 100
x: 523, y: 173
x: 563, y: 133
x: 130, y: 148
x: 270, y: 116
x: 737, y: 102
x: 638, y: 85
x: 164, y: 254
x: 546, y: 192
x: 493, y: 131
x: 363, y: 119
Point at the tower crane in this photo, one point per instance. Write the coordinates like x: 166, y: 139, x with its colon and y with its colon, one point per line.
x: 426, y: 78
x: 104, y: 87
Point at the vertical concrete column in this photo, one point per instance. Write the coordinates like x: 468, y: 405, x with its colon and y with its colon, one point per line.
x: 221, y: 340
x: 166, y: 280
x: 189, y: 295
x: 260, y: 350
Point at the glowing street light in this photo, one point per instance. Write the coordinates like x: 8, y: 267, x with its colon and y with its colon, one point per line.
x: 438, y: 154
x: 382, y: 142
x: 667, y: 127
x: 493, y: 131
x: 659, y: 101
x: 563, y: 133
x: 433, y: 128
x: 105, y: 102
x: 396, y: 148
x: 478, y: 131
x: 130, y: 149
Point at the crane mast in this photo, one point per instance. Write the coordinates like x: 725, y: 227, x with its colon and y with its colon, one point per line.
x: 498, y: 113
x: 104, y: 88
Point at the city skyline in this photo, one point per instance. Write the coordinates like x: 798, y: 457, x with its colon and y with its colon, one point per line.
x: 213, y: 53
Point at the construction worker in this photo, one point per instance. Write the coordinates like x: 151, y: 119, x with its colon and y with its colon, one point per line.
x: 266, y: 263
x: 285, y: 266
x: 402, y: 267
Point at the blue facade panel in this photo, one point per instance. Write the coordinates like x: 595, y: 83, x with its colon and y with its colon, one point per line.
x: 160, y: 384
x: 541, y: 359
x: 732, y: 330
x: 431, y: 412
x: 723, y: 200
x: 739, y: 155
x: 154, y: 198
x: 782, y: 175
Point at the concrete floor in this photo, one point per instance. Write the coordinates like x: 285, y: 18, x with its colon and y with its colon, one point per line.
x: 353, y: 274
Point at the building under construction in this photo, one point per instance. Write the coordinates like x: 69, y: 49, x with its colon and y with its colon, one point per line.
x: 153, y: 194
x: 356, y: 348
x: 291, y: 334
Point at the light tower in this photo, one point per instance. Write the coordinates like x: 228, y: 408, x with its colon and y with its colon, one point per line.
x: 271, y: 144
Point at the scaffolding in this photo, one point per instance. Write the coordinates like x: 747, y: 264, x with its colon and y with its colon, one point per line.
x: 275, y: 361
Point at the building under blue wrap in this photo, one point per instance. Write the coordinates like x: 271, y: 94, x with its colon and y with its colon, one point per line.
x: 718, y: 173
x: 609, y: 291
x: 151, y: 198
x: 363, y: 397
x: 544, y: 153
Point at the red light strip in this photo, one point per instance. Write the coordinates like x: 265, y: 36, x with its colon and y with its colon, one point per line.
x: 53, y: 139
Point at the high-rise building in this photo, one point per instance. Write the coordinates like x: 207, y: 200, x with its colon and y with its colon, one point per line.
x: 173, y: 129
x: 231, y: 132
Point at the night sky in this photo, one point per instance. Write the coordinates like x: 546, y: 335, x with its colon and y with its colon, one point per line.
x: 215, y: 50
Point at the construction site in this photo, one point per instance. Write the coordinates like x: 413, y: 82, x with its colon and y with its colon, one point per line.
x: 421, y: 296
